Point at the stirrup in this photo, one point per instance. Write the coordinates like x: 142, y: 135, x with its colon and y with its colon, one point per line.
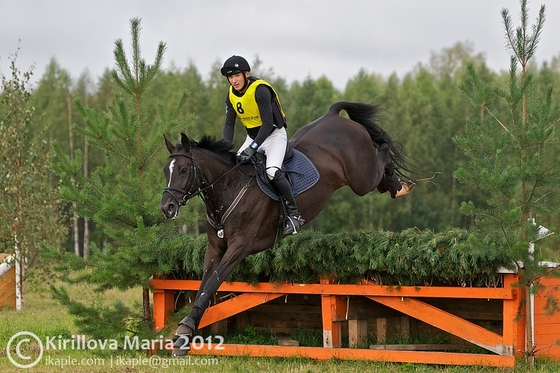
x: 292, y: 223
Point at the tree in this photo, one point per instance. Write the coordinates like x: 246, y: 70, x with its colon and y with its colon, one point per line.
x: 512, y: 158
x: 121, y: 196
x: 310, y: 101
x: 31, y: 210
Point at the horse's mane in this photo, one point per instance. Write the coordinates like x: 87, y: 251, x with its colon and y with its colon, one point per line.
x: 221, y: 147
x: 214, y: 145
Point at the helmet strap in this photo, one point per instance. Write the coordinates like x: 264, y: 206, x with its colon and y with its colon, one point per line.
x: 246, y: 80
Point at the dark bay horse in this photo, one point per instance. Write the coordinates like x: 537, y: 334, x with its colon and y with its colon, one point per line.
x: 354, y: 152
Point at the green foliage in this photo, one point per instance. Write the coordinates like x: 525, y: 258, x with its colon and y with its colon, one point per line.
x: 512, y: 158
x: 122, y: 195
x: 132, y: 107
x: 31, y: 209
x: 250, y: 335
x: 119, y: 320
x: 424, y: 111
x: 410, y: 257
x: 307, y: 337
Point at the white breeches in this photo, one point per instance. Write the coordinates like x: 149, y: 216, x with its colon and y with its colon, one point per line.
x: 274, y: 147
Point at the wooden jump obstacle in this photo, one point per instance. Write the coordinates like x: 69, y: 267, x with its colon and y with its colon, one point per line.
x: 7, y: 283
x: 413, y: 303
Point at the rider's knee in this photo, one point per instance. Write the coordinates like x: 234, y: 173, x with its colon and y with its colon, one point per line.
x: 273, y: 173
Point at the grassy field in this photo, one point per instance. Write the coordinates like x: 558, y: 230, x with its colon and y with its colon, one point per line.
x: 44, y: 317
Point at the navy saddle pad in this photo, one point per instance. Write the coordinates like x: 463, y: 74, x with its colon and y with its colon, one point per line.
x: 301, y: 173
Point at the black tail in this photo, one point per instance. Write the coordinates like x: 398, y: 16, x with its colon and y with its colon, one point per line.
x: 366, y: 115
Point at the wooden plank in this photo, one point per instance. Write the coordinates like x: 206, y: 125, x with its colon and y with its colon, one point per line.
x: 233, y: 306
x: 344, y: 289
x: 385, y: 328
x: 472, y: 309
x: 408, y: 326
x: 357, y: 333
x: 322, y: 353
x: 242, y: 320
x: 448, y: 322
x: 420, y: 347
x: 218, y: 328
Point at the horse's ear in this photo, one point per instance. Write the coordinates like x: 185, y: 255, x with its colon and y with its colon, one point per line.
x: 185, y: 142
x: 169, y: 145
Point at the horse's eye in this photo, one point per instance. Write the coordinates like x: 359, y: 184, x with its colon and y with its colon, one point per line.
x: 184, y: 170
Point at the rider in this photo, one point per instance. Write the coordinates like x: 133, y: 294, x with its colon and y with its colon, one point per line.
x: 256, y: 104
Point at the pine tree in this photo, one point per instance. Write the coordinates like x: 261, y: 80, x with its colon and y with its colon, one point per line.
x: 514, y: 158
x: 122, y: 196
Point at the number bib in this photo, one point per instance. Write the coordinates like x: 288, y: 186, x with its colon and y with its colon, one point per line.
x: 246, y: 106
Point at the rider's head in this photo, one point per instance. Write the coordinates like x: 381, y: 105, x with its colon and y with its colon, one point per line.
x: 236, y: 69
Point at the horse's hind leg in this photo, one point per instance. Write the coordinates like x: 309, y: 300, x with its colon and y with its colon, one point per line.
x: 390, y: 181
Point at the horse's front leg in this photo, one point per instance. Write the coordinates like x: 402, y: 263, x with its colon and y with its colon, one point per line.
x: 212, y: 279
x: 187, y: 326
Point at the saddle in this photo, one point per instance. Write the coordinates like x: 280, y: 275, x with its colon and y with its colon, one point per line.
x: 299, y: 170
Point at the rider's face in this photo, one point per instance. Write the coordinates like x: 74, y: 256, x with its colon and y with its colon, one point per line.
x: 237, y: 81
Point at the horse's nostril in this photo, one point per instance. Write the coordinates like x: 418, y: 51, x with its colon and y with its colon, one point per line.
x: 167, y: 209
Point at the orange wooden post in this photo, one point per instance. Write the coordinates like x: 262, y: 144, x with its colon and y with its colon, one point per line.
x: 513, y: 322
x: 547, y: 324
x: 333, y: 310
x: 164, y: 303
x: 7, y: 283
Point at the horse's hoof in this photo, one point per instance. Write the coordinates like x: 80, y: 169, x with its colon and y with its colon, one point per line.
x: 183, y: 329
x: 182, y: 345
x: 177, y: 352
x: 406, y: 187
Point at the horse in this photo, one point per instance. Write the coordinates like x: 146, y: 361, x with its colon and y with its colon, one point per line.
x: 242, y: 220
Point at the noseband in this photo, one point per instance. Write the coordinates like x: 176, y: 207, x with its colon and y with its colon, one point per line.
x: 187, y: 194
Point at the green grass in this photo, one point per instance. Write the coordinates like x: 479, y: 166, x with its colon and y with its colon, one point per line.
x: 44, y: 317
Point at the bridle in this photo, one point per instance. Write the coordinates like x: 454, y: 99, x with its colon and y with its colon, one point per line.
x: 216, y: 220
x: 187, y: 194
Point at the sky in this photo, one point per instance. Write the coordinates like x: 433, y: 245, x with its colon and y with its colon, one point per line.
x: 295, y: 39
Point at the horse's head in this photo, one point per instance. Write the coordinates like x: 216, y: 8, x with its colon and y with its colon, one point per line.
x: 182, y: 177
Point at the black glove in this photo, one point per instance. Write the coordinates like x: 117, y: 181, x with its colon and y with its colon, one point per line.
x: 247, y: 153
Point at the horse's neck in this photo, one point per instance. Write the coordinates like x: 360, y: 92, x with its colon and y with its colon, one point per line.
x: 219, y: 182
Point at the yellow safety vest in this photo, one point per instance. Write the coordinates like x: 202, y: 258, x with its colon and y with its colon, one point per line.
x: 246, y: 106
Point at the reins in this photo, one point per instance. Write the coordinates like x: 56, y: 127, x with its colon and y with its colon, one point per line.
x: 219, y: 226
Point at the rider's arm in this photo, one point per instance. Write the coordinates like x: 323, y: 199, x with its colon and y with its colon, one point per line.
x: 263, y: 96
x: 229, y: 121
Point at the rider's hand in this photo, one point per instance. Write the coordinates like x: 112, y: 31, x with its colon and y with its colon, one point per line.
x: 247, y: 153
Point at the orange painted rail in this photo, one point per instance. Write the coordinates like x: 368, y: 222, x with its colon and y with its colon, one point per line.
x: 365, y: 289
x: 325, y: 353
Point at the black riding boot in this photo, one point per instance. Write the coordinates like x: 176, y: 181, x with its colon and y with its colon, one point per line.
x: 294, y: 220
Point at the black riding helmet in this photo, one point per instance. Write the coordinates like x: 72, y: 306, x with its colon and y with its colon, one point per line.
x: 234, y: 65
